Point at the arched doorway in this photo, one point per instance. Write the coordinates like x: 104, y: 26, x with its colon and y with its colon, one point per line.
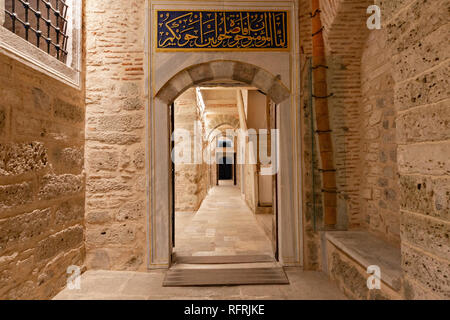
x: 225, y: 73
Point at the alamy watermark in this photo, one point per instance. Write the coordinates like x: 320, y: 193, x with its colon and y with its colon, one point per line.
x: 74, y: 278
x: 374, y: 281
x: 252, y: 147
x: 374, y: 21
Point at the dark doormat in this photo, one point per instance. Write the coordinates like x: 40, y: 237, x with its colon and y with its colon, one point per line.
x: 224, y: 277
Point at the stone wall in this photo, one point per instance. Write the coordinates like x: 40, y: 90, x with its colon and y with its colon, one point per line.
x: 41, y: 182
x: 390, y: 107
x: 190, y: 178
x: 115, y: 135
x: 417, y: 35
x: 379, y: 193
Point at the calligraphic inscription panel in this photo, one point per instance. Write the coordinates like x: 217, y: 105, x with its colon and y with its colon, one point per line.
x: 222, y: 30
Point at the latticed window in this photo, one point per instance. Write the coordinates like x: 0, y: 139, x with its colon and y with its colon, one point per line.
x: 42, y: 23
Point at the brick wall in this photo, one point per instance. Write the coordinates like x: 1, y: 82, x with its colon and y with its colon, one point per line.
x: 345, y: 33
x: 417, y: 31
x: 41, y: 182
x: 379, y: 193
x: 115, y: 135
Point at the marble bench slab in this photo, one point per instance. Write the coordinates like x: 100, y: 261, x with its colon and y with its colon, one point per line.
x: 367, y: 250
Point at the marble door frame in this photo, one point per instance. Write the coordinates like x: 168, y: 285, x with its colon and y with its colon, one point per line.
x: 169, y: 74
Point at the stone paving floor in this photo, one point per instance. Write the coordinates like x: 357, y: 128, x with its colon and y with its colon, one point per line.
x: 223, y: 225
x: 126, y: 285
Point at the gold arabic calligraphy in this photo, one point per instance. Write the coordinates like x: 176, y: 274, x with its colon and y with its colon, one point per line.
x: 222, y: 30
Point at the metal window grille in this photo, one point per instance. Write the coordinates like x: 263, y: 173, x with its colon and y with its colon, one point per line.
x: 40, y: 22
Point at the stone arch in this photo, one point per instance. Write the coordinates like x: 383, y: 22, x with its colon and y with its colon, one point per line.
x: 216, y: 129
x: 223, y: 120
x: 344, y: 21
x: 244, y: 73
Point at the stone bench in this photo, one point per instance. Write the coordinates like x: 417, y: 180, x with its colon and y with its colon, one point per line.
x: 349, y: 253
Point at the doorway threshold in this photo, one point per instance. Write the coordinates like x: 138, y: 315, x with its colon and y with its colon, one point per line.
x: 223, y: 259
x: 185, y: 275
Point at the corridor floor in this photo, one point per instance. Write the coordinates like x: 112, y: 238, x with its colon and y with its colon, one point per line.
x: 127, y: 285
x: 223, y: 225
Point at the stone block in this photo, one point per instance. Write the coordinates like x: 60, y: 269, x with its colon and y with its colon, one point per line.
x: 201, y: 73
x: 372, y: 133
x: 366, y: 193
x: 131, y: 211
x: 168, y: 93
x: 113, y: 138
x: 222, y: 69
x: 53, y: 186
x: 390, y: 8
x: 103, y: 160
x: 428, y: 123
x: 41, y: 101
x: 127, y: 89
x: 53, y: 277
x: 426, y: 195
x: 428, y: 159
x: 244, y: 73
x: 18, y: 158
x: 389, y: 172
x: 59, y: 242
x: 390, y: 195
x: 107, y: 186
x: 70, y: 159
x: 32, y: 126
x: 432, y: 235
x: 119, y: 123
x: 132, y: 103
x: 441, y: 189
x: 120, y: 258
x: 112, y: 235
x: 414, y: 291
x: 181, y: 81
x: 412, y: 25
x: 69, y: 212
x: 139, y: 158
x: 23, y: 291
x: 131, y: 95
x: 422, y: 55
x: 426, y: 89
x: 417, y: 194
x: 15, y: 195
x: 68, y: 112
x: 278, y: 92
x: 348, y: 277
x: 98, y: 217
x: 4, y: 120
x: 98, y: 259
x: 263, y: 80
x: 24, y: 228
x: 430, y: 272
